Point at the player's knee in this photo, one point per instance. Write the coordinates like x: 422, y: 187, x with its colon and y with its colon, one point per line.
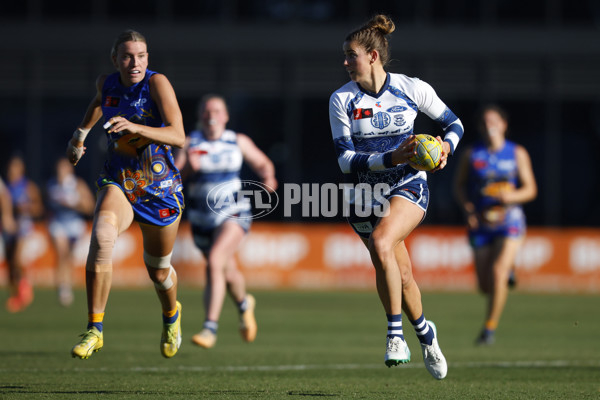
x: 215, y: 264
x: 104, y: 235
x: 380, y: 249
x: 161, y: 271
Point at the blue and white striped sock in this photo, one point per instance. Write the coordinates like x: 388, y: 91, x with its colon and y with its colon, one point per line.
x: 242, y: 306
x: 395, y: 326
x: 424, y: 332
x: 212, y: 326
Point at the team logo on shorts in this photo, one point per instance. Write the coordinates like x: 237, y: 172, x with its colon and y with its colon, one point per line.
x: 363, y: 227
x: 381, y: 120
x: 166, y: 212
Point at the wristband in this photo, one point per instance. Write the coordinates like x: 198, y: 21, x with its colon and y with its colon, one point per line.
x: 80, y: 134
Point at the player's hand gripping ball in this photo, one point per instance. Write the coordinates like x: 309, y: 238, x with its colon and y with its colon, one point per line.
x: 129, y: 144
x: 428, y: 153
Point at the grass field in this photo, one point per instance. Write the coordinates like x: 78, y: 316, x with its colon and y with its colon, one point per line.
x: 310, y: 345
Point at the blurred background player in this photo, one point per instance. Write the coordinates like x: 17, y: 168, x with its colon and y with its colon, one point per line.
x: 494, y: 178
x: 213, y: 156
x: 372, y: 120
x: 7, y: 218
x: 140, y: 182
x: 69, y: 200
x: 27, y: 205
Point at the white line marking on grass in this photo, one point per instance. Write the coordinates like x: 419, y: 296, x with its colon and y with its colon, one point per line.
x: 308, y: 367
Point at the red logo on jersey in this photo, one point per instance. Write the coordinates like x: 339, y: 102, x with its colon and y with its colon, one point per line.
x: 361, y: 113
x: 480, y: 164
x: 112, y: 101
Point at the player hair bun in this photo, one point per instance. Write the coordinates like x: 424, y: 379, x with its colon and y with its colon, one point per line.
x: 382, y: 23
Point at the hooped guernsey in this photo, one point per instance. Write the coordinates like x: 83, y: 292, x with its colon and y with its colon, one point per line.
x: 367, y: 127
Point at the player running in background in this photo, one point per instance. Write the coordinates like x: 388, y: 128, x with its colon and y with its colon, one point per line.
x: 27, y: 205
x: 7, y: 218
x: 139, y: 183
x: 69, y: 200
x: 372, y: 119
x: 212, y: 158
x: 493, y: 180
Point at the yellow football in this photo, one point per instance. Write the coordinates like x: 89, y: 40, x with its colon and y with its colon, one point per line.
x: 428, y: 153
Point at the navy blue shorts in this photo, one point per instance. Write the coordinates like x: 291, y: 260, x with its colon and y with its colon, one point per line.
x: 204, y: 238
x: 416, y: 191
x: 513, y: 225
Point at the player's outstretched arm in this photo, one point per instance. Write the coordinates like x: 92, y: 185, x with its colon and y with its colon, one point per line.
x: 257, y: 160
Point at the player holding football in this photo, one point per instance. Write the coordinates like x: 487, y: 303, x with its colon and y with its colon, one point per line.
x: 211, y: 162
x: 494, y: 179
x: 372, y: 119
x: 140, y: 182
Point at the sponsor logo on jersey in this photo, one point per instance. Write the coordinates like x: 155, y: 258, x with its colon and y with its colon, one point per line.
x: 166, y: 184
x: 166, y: 212
x: 378, y: 104
x: 111, y: 101
x: 396, y: 109
x: 138, y: 102
x: 361, y: 113
x: 480, y: 164
x: 381, y: 120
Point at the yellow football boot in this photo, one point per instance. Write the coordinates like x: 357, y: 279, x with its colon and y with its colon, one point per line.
x: 91, y: 341
x: 171, y: 336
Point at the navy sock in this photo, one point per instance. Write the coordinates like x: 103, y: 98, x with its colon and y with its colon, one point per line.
x: 242, y: 306
x: 170, y: 320
x: 423, y: 330
x: 97, y: 325
x: 395, y: 326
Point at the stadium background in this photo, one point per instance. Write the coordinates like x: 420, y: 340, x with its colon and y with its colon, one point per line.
x: 277, y: 62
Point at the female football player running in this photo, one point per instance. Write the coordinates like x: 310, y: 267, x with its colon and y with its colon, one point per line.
x: 140, y: 182
x: 211, y: 162
x: 372, y: 119
x: 69, y: 200
x: 493, y: 180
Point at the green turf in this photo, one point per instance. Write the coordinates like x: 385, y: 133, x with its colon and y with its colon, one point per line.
x: 310, y: 345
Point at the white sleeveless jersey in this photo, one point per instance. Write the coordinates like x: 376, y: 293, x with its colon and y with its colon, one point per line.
x: 216, y: 165
x: 367, y: 127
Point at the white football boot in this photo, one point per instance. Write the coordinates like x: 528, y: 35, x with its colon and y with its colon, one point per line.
x: 435, y: 362
x: 396, y: 351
